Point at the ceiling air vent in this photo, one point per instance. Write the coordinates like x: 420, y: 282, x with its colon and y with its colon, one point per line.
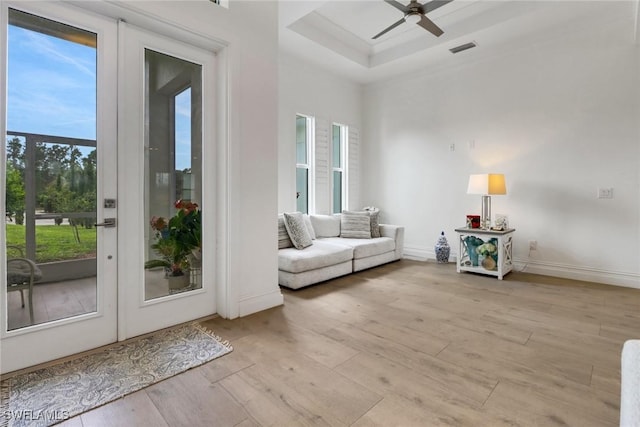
x: 463, y: 47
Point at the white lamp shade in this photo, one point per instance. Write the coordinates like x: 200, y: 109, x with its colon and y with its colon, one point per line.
x: 488, y: 183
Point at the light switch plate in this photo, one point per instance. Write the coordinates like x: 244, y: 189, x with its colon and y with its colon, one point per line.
x: 605, y: 193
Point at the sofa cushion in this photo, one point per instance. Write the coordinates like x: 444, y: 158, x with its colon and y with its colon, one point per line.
x: 297, y: 229
x: 363, y: 248
x: 320, y: 254
x: 326, y: 225
x: 356, y: 225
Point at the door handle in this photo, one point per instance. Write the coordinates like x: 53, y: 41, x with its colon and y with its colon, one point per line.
x: 108, y: 222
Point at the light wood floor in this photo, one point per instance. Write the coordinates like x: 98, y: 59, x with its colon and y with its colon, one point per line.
x: 407, y: 344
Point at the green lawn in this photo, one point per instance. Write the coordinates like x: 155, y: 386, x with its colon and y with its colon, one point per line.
x: 56, y: 242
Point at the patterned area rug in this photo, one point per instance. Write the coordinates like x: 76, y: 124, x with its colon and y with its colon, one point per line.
x: 53, y: 394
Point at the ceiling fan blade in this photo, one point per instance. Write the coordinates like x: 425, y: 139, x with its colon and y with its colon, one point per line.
x: 389, y: 28
x: 433, y: 5
x: 398, y: 5
x: 428, y: 25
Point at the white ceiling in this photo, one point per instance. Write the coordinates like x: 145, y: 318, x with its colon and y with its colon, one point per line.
x: 337, y: 34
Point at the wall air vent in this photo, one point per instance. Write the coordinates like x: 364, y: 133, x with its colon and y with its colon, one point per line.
x: 462, y: 47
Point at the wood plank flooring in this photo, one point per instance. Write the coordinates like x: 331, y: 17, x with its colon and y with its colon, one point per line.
x: 407, y: 344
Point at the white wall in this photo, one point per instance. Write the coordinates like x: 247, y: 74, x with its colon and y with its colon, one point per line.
x: 250, y: 31
x: 558, y: 117
x: 306, y: 89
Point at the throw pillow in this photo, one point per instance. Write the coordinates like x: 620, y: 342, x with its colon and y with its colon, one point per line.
x: 283, y: 236
x: 375, y: 223
x: 307, y: 222
x: 375, y: 220
x: 355, y: 225
x: 298, y: 233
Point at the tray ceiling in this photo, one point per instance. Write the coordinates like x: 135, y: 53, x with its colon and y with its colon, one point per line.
x: 337, y: 34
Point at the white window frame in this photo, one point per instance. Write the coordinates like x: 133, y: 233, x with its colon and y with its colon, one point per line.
x: 344, y: 151
x: 310, y: 129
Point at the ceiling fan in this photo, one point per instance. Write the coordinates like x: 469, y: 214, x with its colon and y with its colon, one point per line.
x: 415, y: 13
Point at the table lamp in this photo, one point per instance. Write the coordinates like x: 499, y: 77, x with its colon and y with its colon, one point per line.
x: 486, y: 184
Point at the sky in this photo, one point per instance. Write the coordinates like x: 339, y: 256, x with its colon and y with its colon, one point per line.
x: 183, y: 130
x: 52, y: 86
x: 52, y: 90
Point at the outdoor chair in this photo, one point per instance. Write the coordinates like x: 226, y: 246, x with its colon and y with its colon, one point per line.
x: 22, y: 273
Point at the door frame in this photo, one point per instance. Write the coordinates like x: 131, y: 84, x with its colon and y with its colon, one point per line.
x: 24, y: 347
x: 226, y: 297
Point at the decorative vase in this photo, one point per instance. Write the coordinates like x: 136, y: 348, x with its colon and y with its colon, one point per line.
x: 178, y: 282
x: 442, y: 249
x: 489, y: 263
x: 473, y: 255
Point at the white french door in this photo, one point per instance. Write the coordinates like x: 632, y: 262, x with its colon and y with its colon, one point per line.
x: 166, y: 142
x: 153, y: 113
x: 57, y: 94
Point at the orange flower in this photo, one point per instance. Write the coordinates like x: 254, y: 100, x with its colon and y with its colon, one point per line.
x: 158, y: 223
x: 187, y: 207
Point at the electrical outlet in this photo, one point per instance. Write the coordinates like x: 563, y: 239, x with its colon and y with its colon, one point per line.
x: 452, y: 147
x: 533, y: 245
x: 605, y: 193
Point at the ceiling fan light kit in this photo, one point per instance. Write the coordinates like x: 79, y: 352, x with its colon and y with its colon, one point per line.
x: 412, y: 18
x: 415, y: 13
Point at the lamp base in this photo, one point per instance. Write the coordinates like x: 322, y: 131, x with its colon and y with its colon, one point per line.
x: 485, y: 217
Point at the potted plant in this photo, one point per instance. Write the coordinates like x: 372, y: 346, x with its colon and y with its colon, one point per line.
x: 490, y: 252
x: 176, y: 240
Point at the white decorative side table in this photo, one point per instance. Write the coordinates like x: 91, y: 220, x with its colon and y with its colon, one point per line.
x: 485, y: 251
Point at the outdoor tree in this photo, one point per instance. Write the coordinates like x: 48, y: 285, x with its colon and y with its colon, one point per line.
x: 15, y: 194
x: 15, y: 153
x: 65, y: 180
x: 15, y: 180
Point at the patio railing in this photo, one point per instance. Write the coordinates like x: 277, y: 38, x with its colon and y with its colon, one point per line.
x: 54, y: 271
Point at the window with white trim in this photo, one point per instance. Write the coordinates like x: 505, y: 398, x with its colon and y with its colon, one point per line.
x: 304, y: 151
x: 339, y: 136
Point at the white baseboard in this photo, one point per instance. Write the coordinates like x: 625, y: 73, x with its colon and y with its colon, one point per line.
x: 258, y: 303
x: 566, y: 271
x: 422, y: 254
x: 617, y: 278
x: 417, y: 254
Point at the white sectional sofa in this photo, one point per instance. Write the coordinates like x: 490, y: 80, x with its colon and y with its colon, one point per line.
x: 331, y: 255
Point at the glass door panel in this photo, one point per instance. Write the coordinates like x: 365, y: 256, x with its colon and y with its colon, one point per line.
x: 173, y: 174
x: 51, y: 171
